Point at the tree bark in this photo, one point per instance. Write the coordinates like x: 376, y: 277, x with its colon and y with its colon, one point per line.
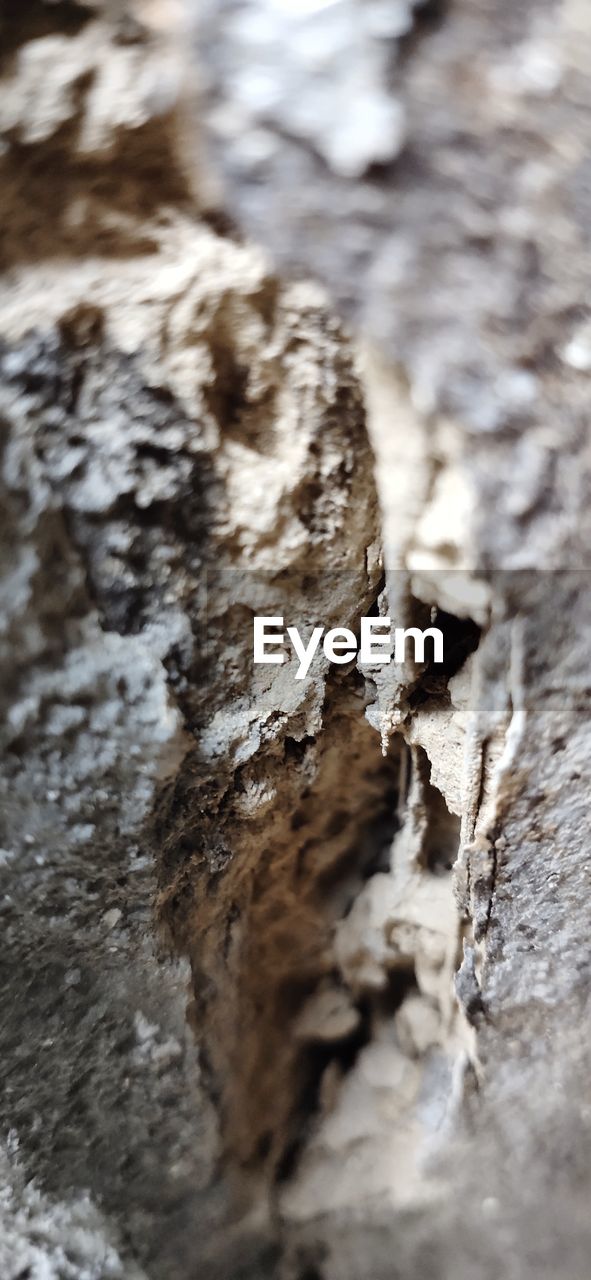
x: 296, y: 972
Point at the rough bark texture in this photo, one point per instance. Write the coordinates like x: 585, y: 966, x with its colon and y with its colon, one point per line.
x: 295, y: 973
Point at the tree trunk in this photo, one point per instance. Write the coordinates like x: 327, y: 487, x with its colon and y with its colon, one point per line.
x: 295, y: 971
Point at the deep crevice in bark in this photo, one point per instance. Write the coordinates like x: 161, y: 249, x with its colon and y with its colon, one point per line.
x: 285, y: 1009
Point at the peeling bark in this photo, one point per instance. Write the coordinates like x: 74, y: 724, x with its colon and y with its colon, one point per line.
x: 358, y: 1045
